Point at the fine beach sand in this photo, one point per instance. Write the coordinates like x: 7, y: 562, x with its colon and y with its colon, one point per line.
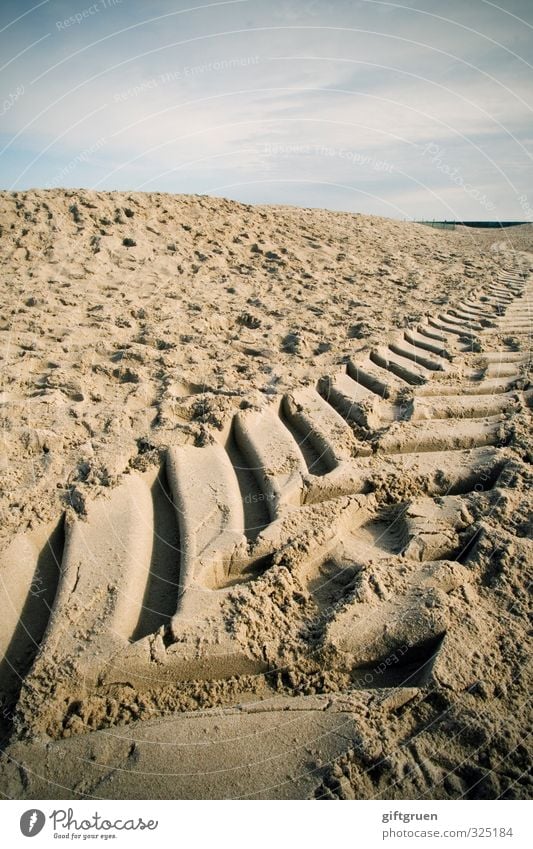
x: 265, y: 514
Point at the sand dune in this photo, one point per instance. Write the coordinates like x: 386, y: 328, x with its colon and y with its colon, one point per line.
x: 265, y: 502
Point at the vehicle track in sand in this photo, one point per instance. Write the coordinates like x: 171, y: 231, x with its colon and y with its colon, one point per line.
x: 361, y: 498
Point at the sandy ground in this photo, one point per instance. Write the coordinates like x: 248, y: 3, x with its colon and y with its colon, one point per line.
x: 265, y: 523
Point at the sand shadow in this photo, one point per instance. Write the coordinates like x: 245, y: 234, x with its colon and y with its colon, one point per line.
x: 160, y: 598
x: 31, y: 627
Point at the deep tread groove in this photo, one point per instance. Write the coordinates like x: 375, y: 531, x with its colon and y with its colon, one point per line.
x: 256, y: 515
x: 161, y: 593
x: 316, y: 461
x: 412, y: 670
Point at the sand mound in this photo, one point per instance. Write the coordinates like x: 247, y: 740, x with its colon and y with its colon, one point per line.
x: 276, y: 530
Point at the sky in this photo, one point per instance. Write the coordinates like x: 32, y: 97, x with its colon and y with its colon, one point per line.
x: 412, y: 110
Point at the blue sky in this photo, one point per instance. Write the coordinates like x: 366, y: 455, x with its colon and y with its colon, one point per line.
x: 410, y: 110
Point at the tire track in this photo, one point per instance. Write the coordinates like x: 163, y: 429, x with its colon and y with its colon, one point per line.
x: 137, y: 579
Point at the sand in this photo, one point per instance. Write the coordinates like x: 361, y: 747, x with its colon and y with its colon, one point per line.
x: 265, y: 502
